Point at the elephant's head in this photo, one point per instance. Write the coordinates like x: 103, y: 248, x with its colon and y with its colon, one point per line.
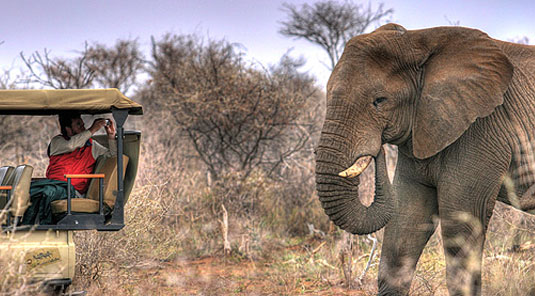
x: 422, y: 89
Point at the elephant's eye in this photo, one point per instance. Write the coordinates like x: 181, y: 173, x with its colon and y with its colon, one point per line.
x: 379, y: 101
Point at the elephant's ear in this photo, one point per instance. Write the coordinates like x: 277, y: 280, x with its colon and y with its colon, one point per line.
x: 465, y: 77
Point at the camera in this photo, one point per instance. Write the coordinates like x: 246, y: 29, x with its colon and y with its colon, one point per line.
x: 108, y: 122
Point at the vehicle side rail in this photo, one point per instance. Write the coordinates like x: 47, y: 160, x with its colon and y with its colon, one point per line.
x: 100, y: 190
x: 85, y: 222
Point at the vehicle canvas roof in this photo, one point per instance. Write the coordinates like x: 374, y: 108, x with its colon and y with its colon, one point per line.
x: 49, y: 102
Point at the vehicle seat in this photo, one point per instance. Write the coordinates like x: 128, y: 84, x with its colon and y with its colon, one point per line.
x: 89, y: 204
x: 5, y: 173
x: 21, y: 189
x: 6, y: 178
x: 20, y: 193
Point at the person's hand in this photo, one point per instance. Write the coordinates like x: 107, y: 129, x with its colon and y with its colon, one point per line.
x: 97, y: 124
x: 110, y: 129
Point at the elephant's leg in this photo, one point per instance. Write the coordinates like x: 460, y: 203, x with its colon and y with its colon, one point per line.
x: 465, y: 204
x: 406, y: 236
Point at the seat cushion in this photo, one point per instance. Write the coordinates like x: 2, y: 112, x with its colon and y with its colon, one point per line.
x: 79, y: 205
x: 108, y: 167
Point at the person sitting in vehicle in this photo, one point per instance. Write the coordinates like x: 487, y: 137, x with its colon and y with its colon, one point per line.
x: 74, y: 152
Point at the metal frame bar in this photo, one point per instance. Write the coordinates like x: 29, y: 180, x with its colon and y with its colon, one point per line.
x: 101, y: 196
x: 100, y: 190
x: 120, y: 116
x: 69, y: 196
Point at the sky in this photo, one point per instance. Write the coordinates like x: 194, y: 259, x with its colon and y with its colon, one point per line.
x: 63, y: 26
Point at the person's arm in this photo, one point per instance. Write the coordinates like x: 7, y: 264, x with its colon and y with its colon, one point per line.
x: 99, y: 150
x: 58, y: 144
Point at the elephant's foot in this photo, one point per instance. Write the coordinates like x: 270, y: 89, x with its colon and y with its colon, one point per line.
x: 394, y: 286
x: 463, y: 286
x: 464, y: 278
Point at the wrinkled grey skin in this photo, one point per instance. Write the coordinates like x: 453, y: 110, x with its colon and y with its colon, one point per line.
x: 460, y: 106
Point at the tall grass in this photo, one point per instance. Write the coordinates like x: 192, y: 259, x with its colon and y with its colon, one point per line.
x: 177, y: 218
x: 281, y: 242
x: 14, y: 278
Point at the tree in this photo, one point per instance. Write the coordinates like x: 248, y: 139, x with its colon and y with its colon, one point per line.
x: 95, y: 66
x: 117, y: 66
x: 237, y: 117
x: 330, y: 24
x: 59, y: 73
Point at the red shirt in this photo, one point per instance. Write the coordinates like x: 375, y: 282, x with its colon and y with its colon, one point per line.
x: 80, y: 161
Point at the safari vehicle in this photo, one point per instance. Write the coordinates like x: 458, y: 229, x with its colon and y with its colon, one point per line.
x: 47, y: 248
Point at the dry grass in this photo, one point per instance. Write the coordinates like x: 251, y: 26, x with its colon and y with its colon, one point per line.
x: 173, y: 245
x: 15, y: 279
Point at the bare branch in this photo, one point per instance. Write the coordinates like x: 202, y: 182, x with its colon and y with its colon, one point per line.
x: 237, y: 117
x: 95, y: 66
x: 59, y: 73
x: 118, y: 66
x: 330, y: 24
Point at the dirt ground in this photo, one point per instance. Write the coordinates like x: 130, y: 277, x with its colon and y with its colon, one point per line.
x: 309, y: 267
x: 219, y: 276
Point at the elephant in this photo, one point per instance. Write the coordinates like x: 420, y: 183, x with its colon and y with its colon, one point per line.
x: 459, y: 106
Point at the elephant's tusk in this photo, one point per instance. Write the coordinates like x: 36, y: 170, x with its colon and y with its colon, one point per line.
x: 357, y: 168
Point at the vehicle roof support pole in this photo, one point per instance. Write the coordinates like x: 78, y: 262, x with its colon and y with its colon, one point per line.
x: 119, y: 115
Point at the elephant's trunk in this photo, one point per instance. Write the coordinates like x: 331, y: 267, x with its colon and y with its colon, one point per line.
x: 339, y: 194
